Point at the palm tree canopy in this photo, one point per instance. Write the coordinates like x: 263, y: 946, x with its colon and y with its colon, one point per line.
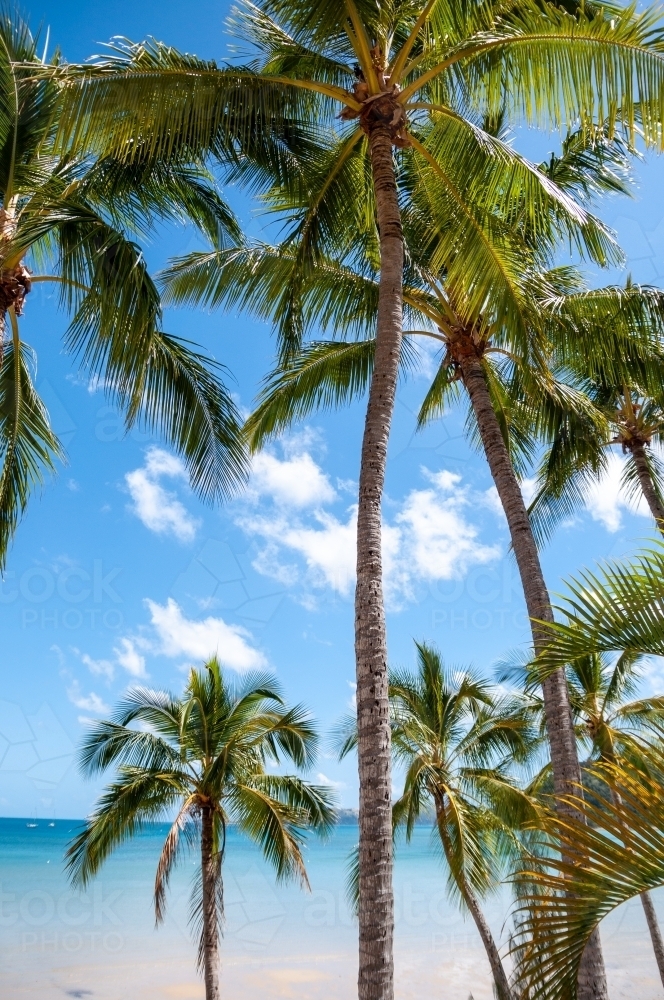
x: 621, y: 374
x: 208, y: 748
x: 449, y: 70
x: 457, y: 743
x: 75, y: 218
x: 619, y: 608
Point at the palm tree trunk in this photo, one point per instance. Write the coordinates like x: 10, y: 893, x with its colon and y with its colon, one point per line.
x: 376, y: 899
x: 503, y: 991
x: 210, y: 926
x: 500, y: 979
x: 647, y: 486
x: 560, y: 730
x: 655, y: 932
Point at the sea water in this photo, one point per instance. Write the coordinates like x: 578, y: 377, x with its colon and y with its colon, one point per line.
x: 279, y: 940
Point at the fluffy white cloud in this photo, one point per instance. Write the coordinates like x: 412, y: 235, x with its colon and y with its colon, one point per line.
x: 295, y: 482
x: 429, y: 539
x: 89, y: 703
x: 129, y: 658
x: 99, y: 667
x: 606, y: 501
x: 327, y: 547
x: 436, y: 542
x: 329, y: 782
x: 158, y: 508
x: 178, y: 636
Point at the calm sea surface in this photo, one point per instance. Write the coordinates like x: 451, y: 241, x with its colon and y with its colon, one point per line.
x: 279, y: 941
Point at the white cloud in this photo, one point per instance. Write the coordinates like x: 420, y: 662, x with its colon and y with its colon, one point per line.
x: 101, y: 668
x: 295, y: 482
x: 606, y: 502
x: 324, y: 780
x: 327, y: 547
x: 430, y: 538
x: 129, y: 658
x: 528, y: 489
x: 89, y: 703
x: 158, y: 509
x: 199, y: 640
x: 437, y: 543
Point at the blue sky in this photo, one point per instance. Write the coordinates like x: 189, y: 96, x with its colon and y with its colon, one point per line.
x: 118, y: 575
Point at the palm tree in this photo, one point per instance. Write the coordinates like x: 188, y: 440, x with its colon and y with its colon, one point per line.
x: 610, y: 724
x: 203, y: 757
x: 628, y: 412
x: 410, y: 75
x: 73, y: 215
x: 457, y: 743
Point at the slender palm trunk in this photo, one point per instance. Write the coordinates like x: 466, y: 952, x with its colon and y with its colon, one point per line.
x: 210, y: 927
x: 564, y: 758
x: 498, y: 972
x: 647, y: 486
x: 376, y: 900
x: 655, y: 932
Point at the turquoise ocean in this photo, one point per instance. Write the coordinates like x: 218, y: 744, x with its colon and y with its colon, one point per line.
x: 279, y: 940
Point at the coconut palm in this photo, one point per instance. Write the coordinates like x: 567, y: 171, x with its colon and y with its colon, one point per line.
x: 73, y: 218
x: 457, y: 743
x: 203, y: 757
x: 404, y: 75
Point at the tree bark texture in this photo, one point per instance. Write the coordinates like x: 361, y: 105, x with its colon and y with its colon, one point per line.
x: 210, y: 926
x: 560, y: 730
x: 376, y: 901
x: 647, y: 486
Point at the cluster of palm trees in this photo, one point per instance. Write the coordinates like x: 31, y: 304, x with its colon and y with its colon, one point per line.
x: 378, y: 133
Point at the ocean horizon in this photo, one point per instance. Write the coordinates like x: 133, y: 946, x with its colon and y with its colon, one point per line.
x: 279, y: 940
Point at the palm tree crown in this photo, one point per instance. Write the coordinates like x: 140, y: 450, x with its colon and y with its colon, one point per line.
x: 203, y: 758
x: 74, y: 216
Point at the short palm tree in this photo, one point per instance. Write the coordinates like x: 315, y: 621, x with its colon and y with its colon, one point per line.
x: 73, y: 216
x: 377, y: 77
x: 202, y: 758
x: 458, y: 743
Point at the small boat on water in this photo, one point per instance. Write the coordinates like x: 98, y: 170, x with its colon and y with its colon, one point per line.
x: 31, y: 826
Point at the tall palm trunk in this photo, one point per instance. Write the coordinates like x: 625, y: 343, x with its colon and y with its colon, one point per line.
x: 503, y: 991
x: 376, y: 900
x: 564, y: 759
x: 210, y: 926
x: 647, y: 486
